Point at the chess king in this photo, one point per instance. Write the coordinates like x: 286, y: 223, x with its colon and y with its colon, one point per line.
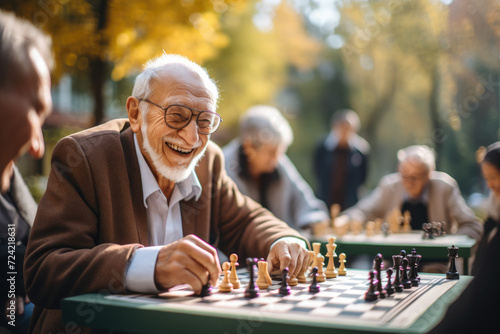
x: 142, y: 204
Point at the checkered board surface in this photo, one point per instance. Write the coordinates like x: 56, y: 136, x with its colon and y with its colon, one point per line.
x: 340, y: 300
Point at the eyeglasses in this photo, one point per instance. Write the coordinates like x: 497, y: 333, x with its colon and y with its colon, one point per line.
x: 178, y: 116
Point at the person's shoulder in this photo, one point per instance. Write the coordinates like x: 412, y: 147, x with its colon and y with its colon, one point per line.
x: 390, y: 180
x: 443, y: 179
x: 112, y: 127
x: 100, y: 138
x: 361, y: 144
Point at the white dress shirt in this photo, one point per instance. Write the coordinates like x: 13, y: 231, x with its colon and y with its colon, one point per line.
x: 164, y: 224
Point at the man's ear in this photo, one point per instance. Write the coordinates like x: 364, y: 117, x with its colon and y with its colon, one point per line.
x: 134, y: 114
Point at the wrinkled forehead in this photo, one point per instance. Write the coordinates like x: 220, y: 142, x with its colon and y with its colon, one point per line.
x: 179, y: 79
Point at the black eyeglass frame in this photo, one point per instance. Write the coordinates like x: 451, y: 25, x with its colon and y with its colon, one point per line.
x: 190, y: 118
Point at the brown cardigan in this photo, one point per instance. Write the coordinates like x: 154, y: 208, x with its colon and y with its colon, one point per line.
x: 92, y: 218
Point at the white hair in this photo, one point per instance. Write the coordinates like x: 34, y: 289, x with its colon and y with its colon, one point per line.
x: 263, y: 125
x: 418, y: 154
x: 346, y: 116
x: 142, y: 85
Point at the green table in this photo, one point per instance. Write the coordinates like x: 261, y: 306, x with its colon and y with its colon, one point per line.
x: 392, y: 244
x: 138, y: 314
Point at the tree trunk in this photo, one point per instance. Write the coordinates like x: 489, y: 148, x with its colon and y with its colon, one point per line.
x: 97, y: 64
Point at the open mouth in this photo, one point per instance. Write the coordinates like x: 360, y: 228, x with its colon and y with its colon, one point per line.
x: 179, y: 149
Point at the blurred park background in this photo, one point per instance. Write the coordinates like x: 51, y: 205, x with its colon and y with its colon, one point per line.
x: 416, y: 71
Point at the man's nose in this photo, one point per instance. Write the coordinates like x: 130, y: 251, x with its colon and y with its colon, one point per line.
x: 190, y: 133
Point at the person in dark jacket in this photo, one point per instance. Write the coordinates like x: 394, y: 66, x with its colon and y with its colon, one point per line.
x: 341, y: 161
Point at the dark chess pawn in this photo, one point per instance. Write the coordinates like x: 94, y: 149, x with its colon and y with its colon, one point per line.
x: 404, y: 280
x: 378, y: 269
x: 397, y: 265
x: 252, y: 291
x: 285, y: 289
x: 453, y: 254
x: 372, y: 294
x: 314, y: 287
x: 389, y: 287
x: 206, y: 290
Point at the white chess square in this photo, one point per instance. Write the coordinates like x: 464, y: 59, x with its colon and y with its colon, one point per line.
x: 311, y: 303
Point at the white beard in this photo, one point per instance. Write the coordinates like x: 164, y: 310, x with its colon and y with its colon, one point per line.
x: 175, y: 174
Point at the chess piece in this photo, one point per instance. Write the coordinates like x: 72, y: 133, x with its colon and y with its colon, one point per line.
x: 452, y: 254
x: 311, y: 260
x: 404, y: 280
x: 372, y: 294
x: 294, y: 281
x: 206, y: 290
x: 321, y: 274
x: 301, y: 277
x: 386, y: 229
x: 314, y: 287
x: 284, y: 289
x: 330, y: 268
x: 413, y: 258
x: 378, y: 225
x: 370, y: 228
x: 378, y: 269
x: 394, y: 219
x: 233, y: 277
x: 225, y: 285
x: 402, y: 253
x: 406, y: 221
x: 316, y: 249
x: 397, y: 266
x: 252, y: 291
x: 263, y: 280
x: 356, y: 227
x: 342, y: 271
x: 334, y: 212
x: 389, y: 288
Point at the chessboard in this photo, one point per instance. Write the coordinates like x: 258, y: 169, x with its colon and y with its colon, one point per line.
x: 340, y: 301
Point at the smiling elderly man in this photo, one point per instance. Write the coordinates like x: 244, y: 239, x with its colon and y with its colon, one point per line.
x: 140, y: 205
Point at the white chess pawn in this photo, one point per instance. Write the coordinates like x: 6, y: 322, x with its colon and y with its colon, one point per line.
x: 225, y: 285
x: 233, y: 277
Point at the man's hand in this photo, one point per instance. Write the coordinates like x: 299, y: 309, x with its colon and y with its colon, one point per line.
x: 288, y: 253
x: 189, y: 260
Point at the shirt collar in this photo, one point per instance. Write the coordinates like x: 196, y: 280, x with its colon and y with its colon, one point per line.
x: 188, y: 188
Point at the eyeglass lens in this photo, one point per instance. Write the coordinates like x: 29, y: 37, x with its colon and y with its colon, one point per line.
x: 178, y: 117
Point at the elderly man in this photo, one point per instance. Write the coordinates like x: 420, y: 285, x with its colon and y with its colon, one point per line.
x: 25, y: 101
x: 257, y: 162
x: 140, y: 205
x: 341, y: 161
x: 427, y: 194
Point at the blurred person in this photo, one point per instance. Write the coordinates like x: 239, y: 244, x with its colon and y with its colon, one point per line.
x: 475, y: 308
x: 417, y: 187
x: 341, y: 161
x: 139, y: 205
x: 25, y: 102
x: 25, y: 60
x: 258, y: 164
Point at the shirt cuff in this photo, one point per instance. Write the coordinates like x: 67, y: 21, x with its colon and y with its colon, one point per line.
x: 292, y: 239
x: 140, y: 276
